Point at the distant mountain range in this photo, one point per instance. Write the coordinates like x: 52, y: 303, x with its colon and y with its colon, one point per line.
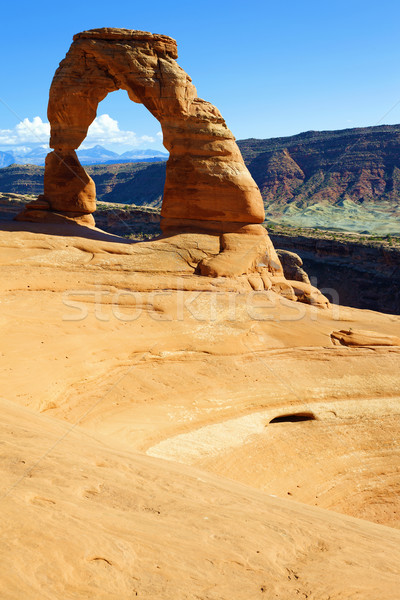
x: 97, y: 155
x: 6, y: 158
x: 347, y: 179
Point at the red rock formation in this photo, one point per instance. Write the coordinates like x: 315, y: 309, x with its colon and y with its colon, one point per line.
x: 206, y: 176
x: 208, y: 187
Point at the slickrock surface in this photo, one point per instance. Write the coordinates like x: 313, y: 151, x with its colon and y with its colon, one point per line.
x: 111, y: 350
x: 355, y: 337
x: 84, y: 518
x: 130, y: 344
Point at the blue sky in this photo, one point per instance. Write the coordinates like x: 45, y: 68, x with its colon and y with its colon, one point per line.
x: 272, y: 68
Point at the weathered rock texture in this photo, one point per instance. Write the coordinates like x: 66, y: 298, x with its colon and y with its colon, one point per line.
x: 356, y: 337
x: 292, y: 266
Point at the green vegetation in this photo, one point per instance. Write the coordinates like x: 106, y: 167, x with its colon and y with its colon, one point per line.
x: 340, y: 237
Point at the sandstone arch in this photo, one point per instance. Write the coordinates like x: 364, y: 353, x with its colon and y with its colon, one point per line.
x: 206, y: 177
x: 208, y: 187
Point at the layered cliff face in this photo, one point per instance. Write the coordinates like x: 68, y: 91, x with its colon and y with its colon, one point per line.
x: 127, y: 183
x: 22, y: 179
x: 361, y: 165
x: 348, y: 272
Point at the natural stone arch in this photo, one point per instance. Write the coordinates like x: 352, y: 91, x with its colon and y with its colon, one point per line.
x: 206, y: 177
x: 208, y: 187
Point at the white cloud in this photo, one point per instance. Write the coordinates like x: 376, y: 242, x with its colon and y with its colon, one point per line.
x: 147, y: 138
x: 35, y: 131
x: 103, y: 126
x: 32, y: 131
x: 6, y: 137
x: 104, y: 131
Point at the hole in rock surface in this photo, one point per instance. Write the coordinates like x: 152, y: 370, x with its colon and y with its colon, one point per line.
x: 294, y: 418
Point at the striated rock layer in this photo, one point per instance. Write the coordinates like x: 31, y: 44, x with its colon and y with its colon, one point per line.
x: 359, y: 165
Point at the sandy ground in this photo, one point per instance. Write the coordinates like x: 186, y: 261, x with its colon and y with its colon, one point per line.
x: 124, y: 344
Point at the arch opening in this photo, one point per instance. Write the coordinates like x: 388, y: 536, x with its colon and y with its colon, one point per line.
x: 124, y: 128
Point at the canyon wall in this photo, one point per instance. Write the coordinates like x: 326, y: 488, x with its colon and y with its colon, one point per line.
x: 349, y: 273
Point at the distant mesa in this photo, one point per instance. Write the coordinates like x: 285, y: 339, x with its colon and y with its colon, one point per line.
x: 323, y: 178
x: 306, y: 180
